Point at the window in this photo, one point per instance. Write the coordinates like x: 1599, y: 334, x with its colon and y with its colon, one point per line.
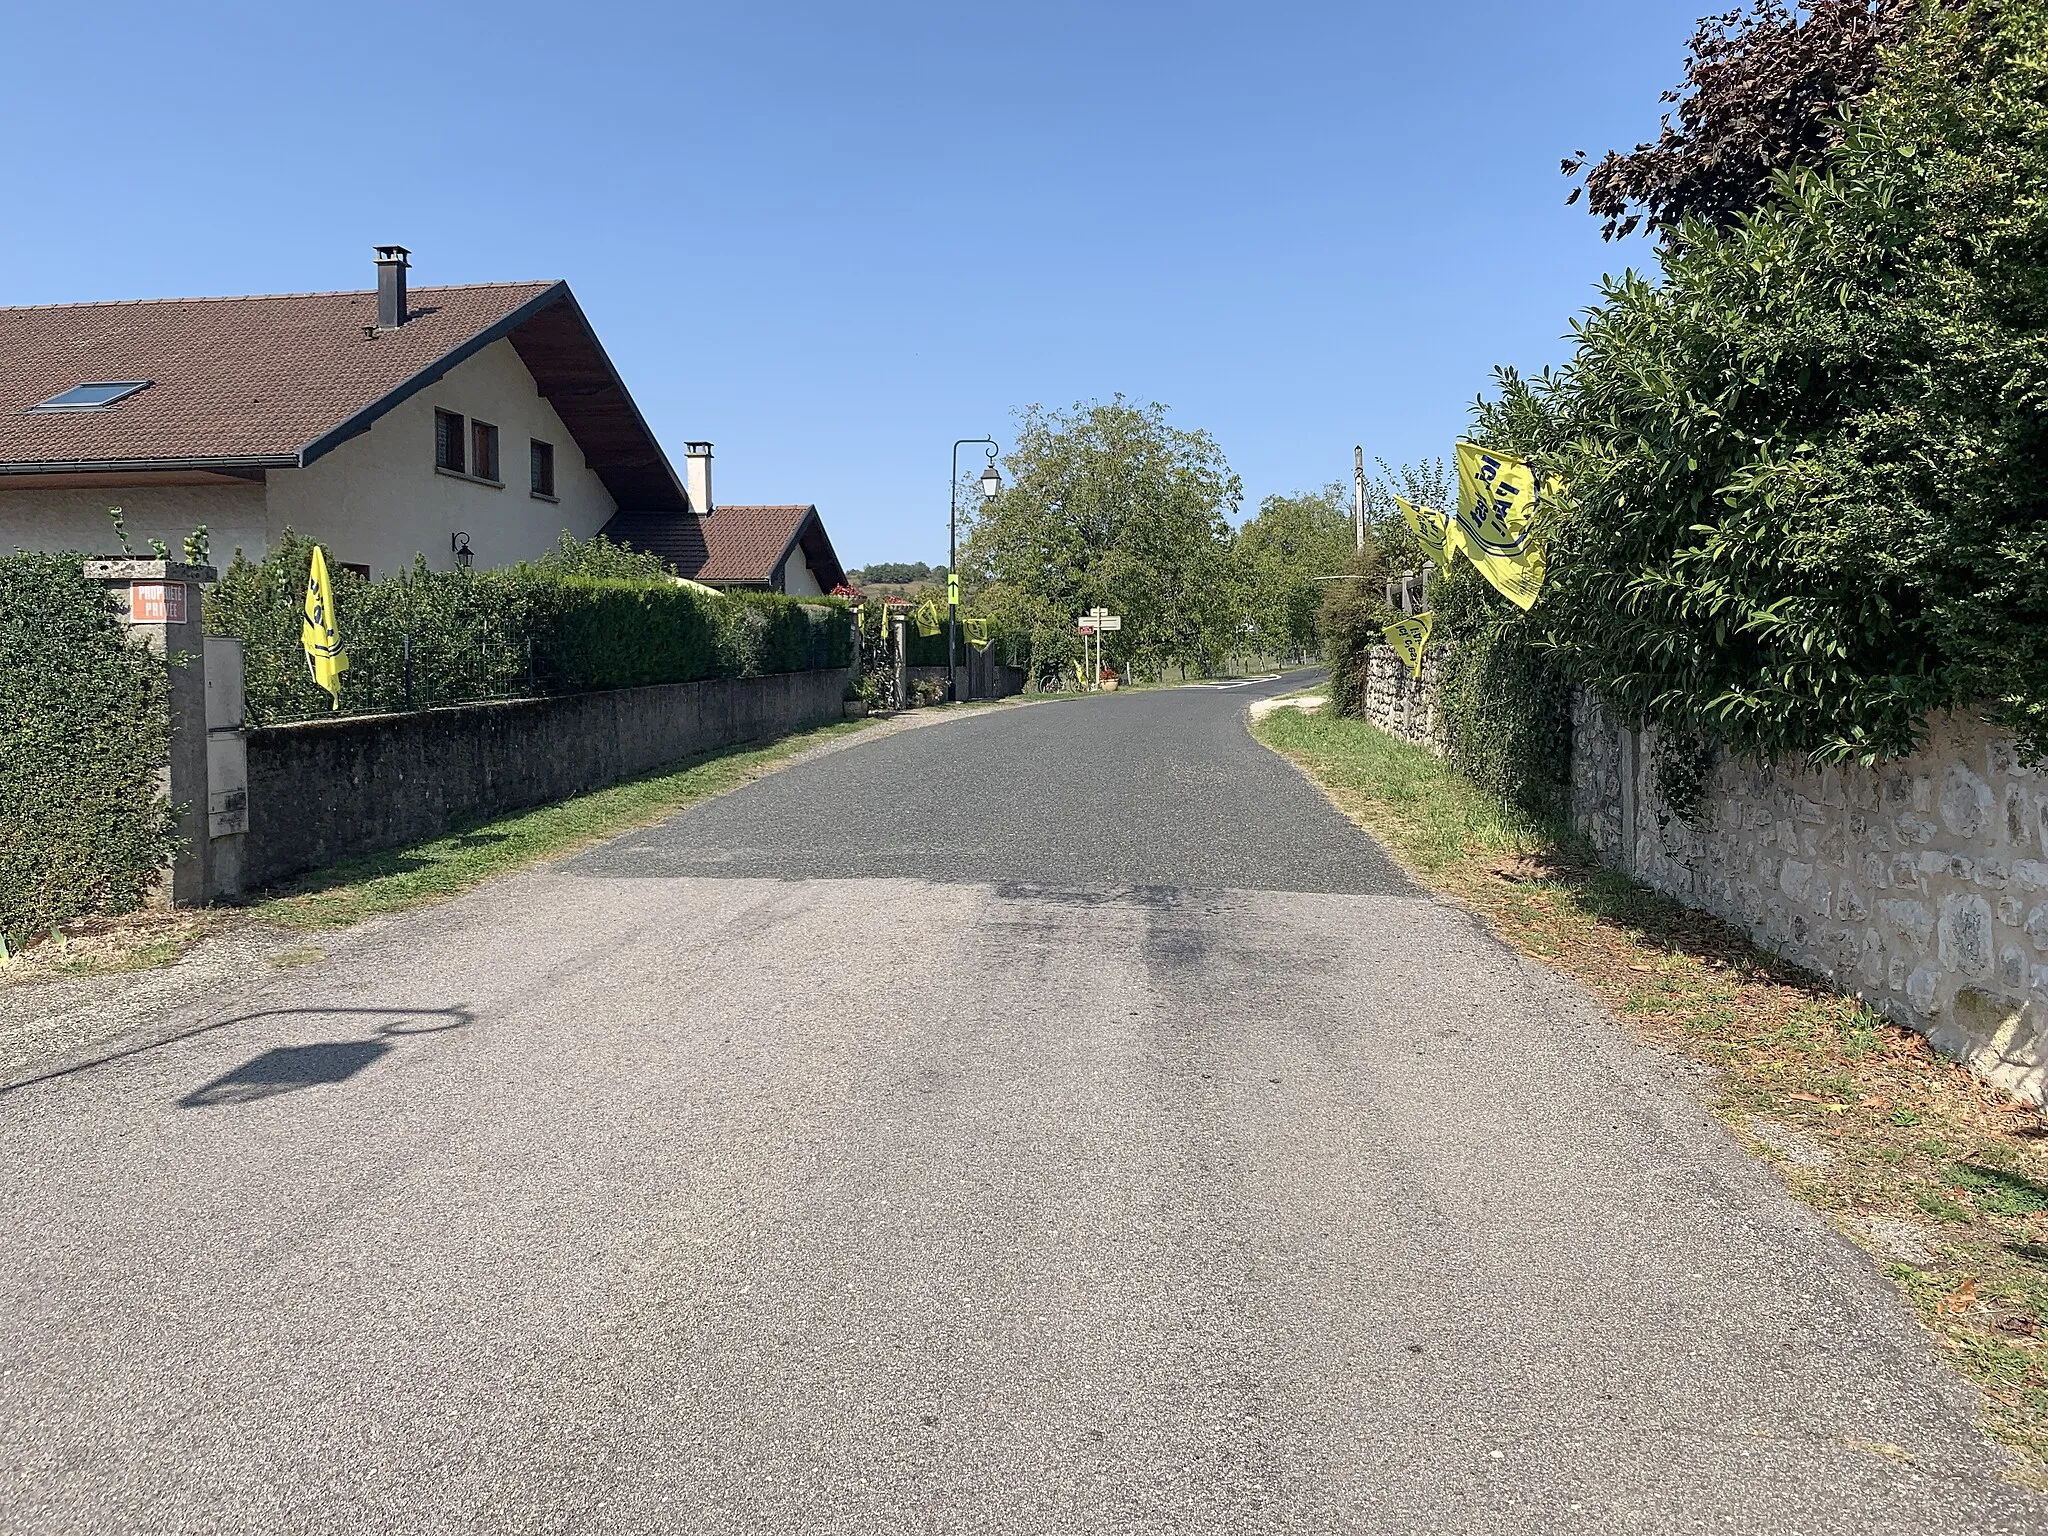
x: 91, y: 397
x: 543, y: 466
x: 448, y: 442
x: 483, y: 450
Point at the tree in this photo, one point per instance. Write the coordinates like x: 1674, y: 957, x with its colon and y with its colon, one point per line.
x: 1280, y: 555
x: 1765, y: 91
x: 1427, y: 484
x: 891, y: 572
x: 1110, y: 505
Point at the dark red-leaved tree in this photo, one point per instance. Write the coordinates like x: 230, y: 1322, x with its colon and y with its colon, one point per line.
x: 1765, y: 89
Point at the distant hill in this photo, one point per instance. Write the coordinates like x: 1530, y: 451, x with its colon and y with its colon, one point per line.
x: 896, y: 572
x: 896, y: 578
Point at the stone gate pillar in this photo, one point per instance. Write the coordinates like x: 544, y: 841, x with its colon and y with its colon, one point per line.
x: 160, y: 601
x: 899, y: 635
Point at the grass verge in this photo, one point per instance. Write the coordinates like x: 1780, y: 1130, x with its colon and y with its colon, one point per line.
x: 1943, y: 1179
x: 107, y: 946
x: 411, y: 877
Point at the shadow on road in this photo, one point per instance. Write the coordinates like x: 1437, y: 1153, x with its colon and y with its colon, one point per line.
x: 300, y: 1066
x: 287, y: 1068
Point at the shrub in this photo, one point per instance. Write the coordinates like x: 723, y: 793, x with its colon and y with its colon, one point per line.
x: 1803, y: 507
x: 84, y: 732
x: 587, y: 615
x: 1354, y: 619
x: 1507, y: 709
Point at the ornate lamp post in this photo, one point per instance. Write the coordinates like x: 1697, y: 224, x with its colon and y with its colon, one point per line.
x: 991, y: 482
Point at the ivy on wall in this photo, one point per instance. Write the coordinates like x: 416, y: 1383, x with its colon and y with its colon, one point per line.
x: 84, y: 732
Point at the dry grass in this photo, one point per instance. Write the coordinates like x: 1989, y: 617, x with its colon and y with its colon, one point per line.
x: 103, y: 946
x: 1941, y: 1177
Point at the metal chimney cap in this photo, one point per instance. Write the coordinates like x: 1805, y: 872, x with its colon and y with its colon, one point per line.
x: 397, y: 253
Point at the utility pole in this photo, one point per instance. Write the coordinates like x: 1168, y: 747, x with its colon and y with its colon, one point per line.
x: 1358, y: 493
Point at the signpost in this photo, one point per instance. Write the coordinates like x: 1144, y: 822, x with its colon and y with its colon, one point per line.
x: 1094, y: 622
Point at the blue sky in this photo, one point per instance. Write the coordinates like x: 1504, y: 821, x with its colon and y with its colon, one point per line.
x: 834, y: 238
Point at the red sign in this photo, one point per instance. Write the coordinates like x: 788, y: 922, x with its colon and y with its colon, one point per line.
x: 156, y: 602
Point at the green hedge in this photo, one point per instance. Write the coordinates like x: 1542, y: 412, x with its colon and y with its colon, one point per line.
x: 588, y: 616
x: 84, y: 731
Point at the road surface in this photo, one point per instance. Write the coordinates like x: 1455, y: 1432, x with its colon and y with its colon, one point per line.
x: 1053, y: 1120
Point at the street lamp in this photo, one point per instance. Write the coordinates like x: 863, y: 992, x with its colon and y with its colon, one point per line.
x: 991, y: 482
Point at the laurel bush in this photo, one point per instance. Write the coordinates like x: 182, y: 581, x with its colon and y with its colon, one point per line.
x: 1804, y: 504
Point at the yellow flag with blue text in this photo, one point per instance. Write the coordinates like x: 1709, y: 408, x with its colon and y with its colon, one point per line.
x: 976, y: 631
x: 927, y: 616
x: 1408, y: 636
x: 1496, y: 521
x: 326, y: 659
x: 1431, y: 529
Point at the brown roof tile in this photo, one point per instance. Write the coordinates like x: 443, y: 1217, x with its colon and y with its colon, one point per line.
x: 748, y: 543
x: 736, y: 546
x: 238, y: 379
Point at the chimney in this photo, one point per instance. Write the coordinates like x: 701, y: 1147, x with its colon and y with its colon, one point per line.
x: 697, y: 476
x: 391, y: 265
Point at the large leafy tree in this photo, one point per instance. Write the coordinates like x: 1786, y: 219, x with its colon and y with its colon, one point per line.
x: 1284, y: 554
x: 1805, y: 505
x: 1765, y: 91
x: 1110, y: 504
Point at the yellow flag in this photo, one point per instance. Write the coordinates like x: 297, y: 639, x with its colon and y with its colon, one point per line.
x: 1496, y: 517
x: 1408, y: 636
x: 1431, y: 529
x: 976, y: 631
x: 927, y: 618
x: 318, y: 637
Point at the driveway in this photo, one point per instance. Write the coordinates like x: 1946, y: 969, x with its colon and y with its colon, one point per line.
x: 1056, y: 1120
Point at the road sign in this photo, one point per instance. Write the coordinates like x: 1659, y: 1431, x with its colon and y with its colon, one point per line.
x: 1094, y: 622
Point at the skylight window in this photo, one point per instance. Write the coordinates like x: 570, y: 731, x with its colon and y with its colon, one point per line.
x: 92, y: 397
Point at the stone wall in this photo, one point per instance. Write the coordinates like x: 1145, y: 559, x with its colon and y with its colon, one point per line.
x: 322, y: 790
x: 1402, y: 705
x: 1920, y: 884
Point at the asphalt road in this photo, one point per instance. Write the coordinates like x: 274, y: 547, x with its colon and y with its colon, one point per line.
x: 1057, y: 1120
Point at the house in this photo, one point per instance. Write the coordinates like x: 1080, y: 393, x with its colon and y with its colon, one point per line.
x: 474, y: 423
x: 772, y: 549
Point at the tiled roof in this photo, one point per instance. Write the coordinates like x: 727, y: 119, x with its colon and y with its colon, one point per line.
x: 748, y: 543
x: 678, y: 537
x: 232, y: 379
x: 734, y: 546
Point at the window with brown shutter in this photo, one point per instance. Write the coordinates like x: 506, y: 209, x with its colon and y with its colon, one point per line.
x: 543, y: 466
x: 483, y: 455
x: 448, y: 441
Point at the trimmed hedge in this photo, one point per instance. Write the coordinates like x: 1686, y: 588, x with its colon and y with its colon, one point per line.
x: 84, y: 732
x: 588, y: 616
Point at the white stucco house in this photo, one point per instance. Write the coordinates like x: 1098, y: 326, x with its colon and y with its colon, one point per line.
x: 472, y: 424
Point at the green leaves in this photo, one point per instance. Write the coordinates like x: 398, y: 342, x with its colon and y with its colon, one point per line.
x: 1110, y: 504
x: 83, y: 733
x: 1805, y: 505
x: 589, y: 615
